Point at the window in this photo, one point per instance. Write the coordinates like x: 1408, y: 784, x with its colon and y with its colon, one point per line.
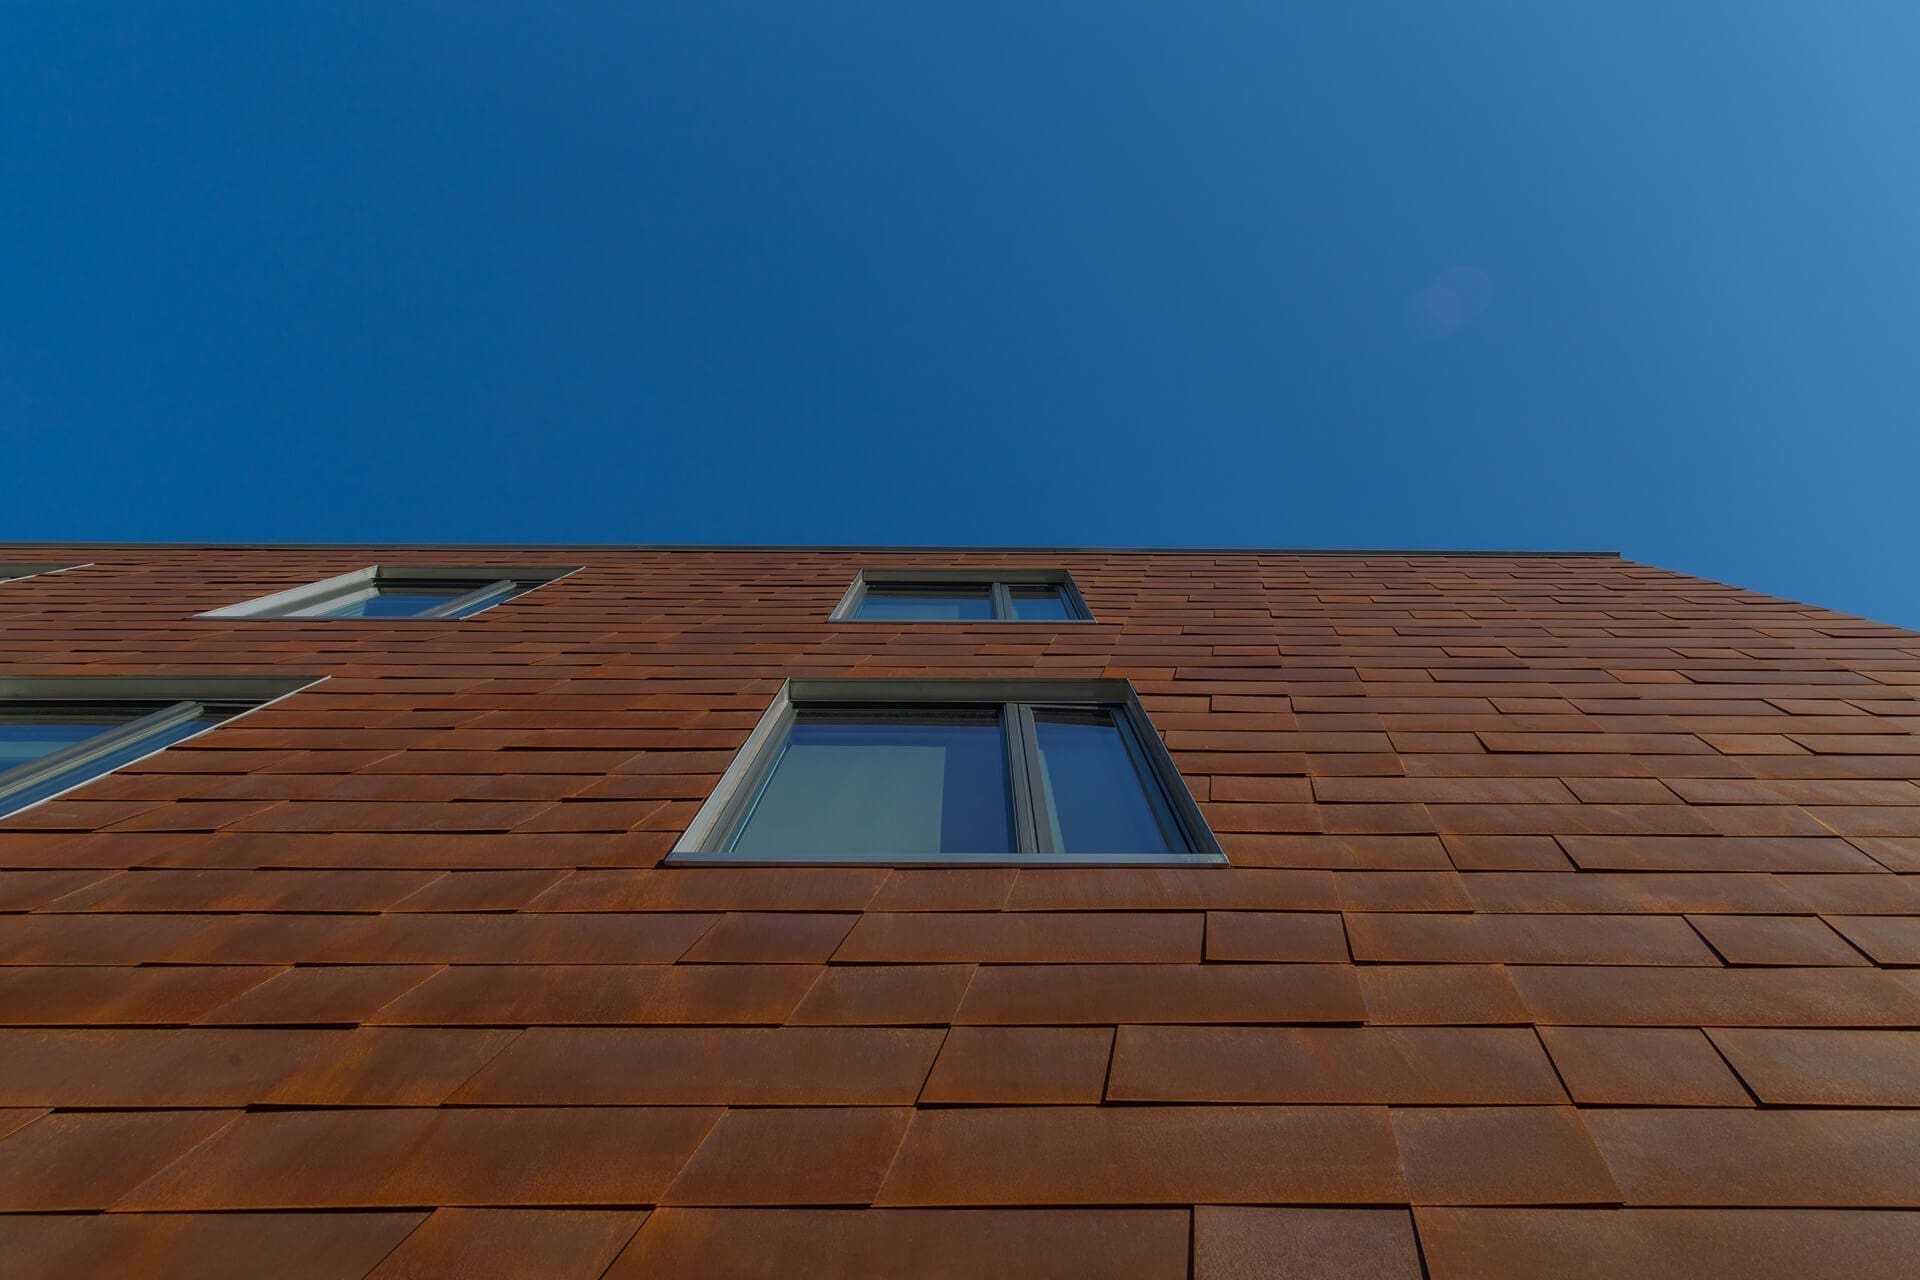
x: 10, y: 570
x: 58, y: 732
x: 384, y: 592
x: 1025, y: 772
x: 944, y: 595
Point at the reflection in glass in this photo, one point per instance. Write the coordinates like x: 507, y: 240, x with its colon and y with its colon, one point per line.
x: 25, y: 739
x: 849, y: 784
x: 1040, y: 604
x: 925, y: 604
x: 393, y: 602
x: 1100, y: 797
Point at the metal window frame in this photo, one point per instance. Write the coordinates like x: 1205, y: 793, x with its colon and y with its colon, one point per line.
x: 167, y: 701
x: 996, y: 581
x: 719, y: 818
x: 490, y: 585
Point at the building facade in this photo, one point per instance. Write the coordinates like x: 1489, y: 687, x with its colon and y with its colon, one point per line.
x: 629, y: 911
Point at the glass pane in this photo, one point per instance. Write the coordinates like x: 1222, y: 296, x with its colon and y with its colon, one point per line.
x: 488, y: 598
x: 393, y: 602
x: 99, y: 765
x: 1040, y: 604
x: 1099, y: 795
x: 23, y: 739
x: 964, y: 603
x: 848, y: 784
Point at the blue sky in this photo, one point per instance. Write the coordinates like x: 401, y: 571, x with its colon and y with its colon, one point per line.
x: 1630, y: 275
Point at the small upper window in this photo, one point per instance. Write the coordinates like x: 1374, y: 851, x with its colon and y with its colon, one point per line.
x: 387, y: 591
x: 58, y: 732
x: 939, y: 595
x: 951, y: 771
x: 10, y: 570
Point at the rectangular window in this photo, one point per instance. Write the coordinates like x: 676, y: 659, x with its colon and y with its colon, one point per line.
x: 1021, y: 772
x: 58, y: 732
x: 383, y: 592
x: 952, y: 595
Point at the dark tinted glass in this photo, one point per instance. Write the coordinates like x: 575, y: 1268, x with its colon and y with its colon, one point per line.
x: 930, y: 784
x: 1040, y: 604
x: 394, y: 602
x: 1101, y: 797
x: 963, y: 603
x: 22, y: 740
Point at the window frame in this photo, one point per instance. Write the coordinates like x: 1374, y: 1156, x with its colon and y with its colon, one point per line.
x: 719, y: 818
x: 158, y: 702
x: 996, y: 581
x: 489, y: 585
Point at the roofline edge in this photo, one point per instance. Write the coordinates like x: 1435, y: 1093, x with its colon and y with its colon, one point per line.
x: 823, y: 546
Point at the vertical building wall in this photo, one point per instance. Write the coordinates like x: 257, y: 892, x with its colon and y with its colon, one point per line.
x: 1571, y: 924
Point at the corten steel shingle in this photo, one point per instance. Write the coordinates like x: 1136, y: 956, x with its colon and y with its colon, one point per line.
x: 1571, y: 928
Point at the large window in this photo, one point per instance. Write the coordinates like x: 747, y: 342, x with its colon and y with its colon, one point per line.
x: 58, y: 732
x: 951, y: 771
x: 962, y: 595
x: 385, y: 591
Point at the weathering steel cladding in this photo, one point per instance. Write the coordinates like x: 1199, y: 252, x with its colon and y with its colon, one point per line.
x: 1569, y: 927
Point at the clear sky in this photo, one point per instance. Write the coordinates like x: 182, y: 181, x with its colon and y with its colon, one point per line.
x: 1642, y: 276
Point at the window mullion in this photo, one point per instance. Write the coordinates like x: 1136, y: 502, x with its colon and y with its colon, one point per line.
x: 1036, y: 821
x: 1002, y: 602
x: 1018, y: 790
